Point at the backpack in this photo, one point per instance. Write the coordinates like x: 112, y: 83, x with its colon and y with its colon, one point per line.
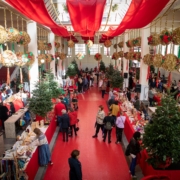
x: 108, y: 126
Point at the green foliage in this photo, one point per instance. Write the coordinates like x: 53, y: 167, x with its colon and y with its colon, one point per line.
x: 109, y: 71
x: 161, y: 138
x: 102, y: 66
x: 40, y: 103
x: 152, y: 68
x: 72, y: 69
x: 116, y: 79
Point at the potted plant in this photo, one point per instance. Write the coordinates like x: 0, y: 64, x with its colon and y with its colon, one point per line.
x: 161, y: 138
x: 72, y: 69
x: 40, y: 103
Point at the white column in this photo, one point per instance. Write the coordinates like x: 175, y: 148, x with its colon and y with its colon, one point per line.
x: 32, y: 47
x: 143, y: 67
x: 125, y: 69
x: 52, y: 51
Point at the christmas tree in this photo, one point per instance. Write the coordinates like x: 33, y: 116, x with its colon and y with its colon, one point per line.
x: 102, y: 66
x: 109, y: 71
x: 116, y: 79
x: 40, y: 103
x: 72, y: 69
x: 162, y: 137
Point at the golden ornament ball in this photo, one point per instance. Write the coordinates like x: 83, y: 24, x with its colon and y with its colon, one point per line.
x: 3, y: 35
x: 121, y: 44
x: 13, y: 34
x: 170, y: 62
x: 62, y: 56
x: 121, y: 54
x: 157, y: 60
x: 115, y: 56
x: 148, y: 59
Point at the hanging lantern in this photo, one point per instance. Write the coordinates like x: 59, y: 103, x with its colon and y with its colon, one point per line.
x: 79, y: 56
x: 40, y: 58
x: 121, y: 44
x: 23, y: 38
x: 57, y: 45
x: 70, y: 43
x: 89, y: 43
x: 98, y: 57
x: 165, y: 37
x: 115, y: 56
x: 13, y: 34
x: 3, y: 35
x: 107, y: 43
x: 157, y: 60
x: 121, y: 54
x: 176, y: 36
x: 9, y: 58
x: 30, y: 57
x: 148, y: 59
x: 170, y: 62
x: 153, y: 39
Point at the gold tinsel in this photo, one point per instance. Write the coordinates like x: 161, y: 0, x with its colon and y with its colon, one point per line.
x: 170, y: 62
x: 70, y: 43
x: 98, y: 57
x: 115, y: 56
x: 121, y: 44
x: 176, y: 36
x: 41, y: 46
x: 162, y: 34
x: 31, y: 58
x: 8, y: 58
x: 48, y: 58
x: 157, y: 60
x: 62, y: 56
x: 137, y: 41
x: 13, y: 34
x: 3, y: 35
x: 148, y: 59
x: 121, y: 54
x: 130, y: 55
x: 107, y: 43
x: 115, y: 46
x: 155, y: 39
x: 41, y: 56
x: 23, y: 38
x: 129, y: 43
x: 57, y: 45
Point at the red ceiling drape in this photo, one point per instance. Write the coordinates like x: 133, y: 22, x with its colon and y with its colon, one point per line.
x: 36, y: 10
x: 86, y: 16
x: 139, y: 14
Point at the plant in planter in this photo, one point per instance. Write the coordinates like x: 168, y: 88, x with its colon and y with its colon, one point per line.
x: 102, y: 66
x: 40, y: 103
x: 109, y: 71
x: 116, y: 79
x: 72, y: 69
x: 161, y: 138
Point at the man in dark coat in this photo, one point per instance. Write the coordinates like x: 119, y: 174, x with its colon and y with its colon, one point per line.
x: 64, y: 123
x: 75, y: 172
x: 3, y: 114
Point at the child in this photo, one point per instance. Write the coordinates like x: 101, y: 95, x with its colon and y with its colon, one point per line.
x: 75, y: 101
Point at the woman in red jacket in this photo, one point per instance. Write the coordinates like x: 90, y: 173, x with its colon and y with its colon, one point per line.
x: 73, y: 121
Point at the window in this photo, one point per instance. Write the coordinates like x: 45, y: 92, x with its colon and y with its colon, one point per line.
x: 94, y: 49
x: 80, y: 48
x: 69, y: 51
x: 107, y: 51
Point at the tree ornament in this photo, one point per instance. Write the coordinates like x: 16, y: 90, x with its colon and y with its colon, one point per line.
x: 157, y: 60
x: 170, y: 62
x: 98, y: 57
x: 165, y: 37
x: 153, y: 39
x: 148, y: 59
x: 13, y: 34
x: 176, y: 36
x: 23, y: 38
x: 121, y: 44
x: 121, y: 54
x: 115, y: 56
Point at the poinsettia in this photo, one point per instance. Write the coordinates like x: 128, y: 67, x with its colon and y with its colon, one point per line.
x: 150, y: 39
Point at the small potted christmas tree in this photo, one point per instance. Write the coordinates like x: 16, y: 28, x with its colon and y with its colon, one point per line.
x: 116, y: 80
x: 162, y: 137
x: 72, y: 69
x: 102, y: 66
x: 109, y: 71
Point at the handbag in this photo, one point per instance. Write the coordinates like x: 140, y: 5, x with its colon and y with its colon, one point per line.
x: 127, y: 151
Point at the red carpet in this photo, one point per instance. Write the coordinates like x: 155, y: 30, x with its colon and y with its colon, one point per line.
x: 100, y: 161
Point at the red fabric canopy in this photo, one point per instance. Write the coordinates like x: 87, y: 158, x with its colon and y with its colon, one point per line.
x: 139, y: 14
x: 86, y: 16
x: 36, y: 10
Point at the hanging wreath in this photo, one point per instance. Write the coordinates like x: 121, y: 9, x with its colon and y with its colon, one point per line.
x: 115, y: 46
x: 23, y: 38
x: 30, y: 57
x: 176, y: 36
x: 57, y: 45
x: 21, y: 59
x: 70, y: 43
x: 153, y: 39
x: 130, y: 55
x: 89, y: 43
x: 129, y: 43
x: 48, y: 58
x: 98, y: 57
x: 148, y: 59
x: 8, y: 58
x: 170, y: 62
x: 121, y: 54
x: 107, y: 43
x: 79, y: 56
x: 41, y: 46
x: 48, y: 46
x: 137, y: 56
x: 115, y: 56
x: 3, y: 35
x: 157, y: 60
x: 40, y: 57
x: 165, y: 37
x: 137, y: 41
x: 62, y: 56
x: 121, y: 44
x: 13, y: 35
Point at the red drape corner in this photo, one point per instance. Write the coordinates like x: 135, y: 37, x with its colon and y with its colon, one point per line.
x: 86, y: 16
x: 139, y: 14
x: 36, y: 10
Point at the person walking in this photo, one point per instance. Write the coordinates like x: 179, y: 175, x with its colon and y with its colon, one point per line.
x: 73, y: 120
x: 103, y: 87
x: 64, y: 123
x: 80, y: 85
x: 75, y: 172
x: 44, y: 154
x: 150, y: 96
x: 99, y: 120
x: 108, y: 125
x: 119, y: 127
x: 134, y: 149
x: 4, y: 114
x: 58, y: 108
x: 114, y: 108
